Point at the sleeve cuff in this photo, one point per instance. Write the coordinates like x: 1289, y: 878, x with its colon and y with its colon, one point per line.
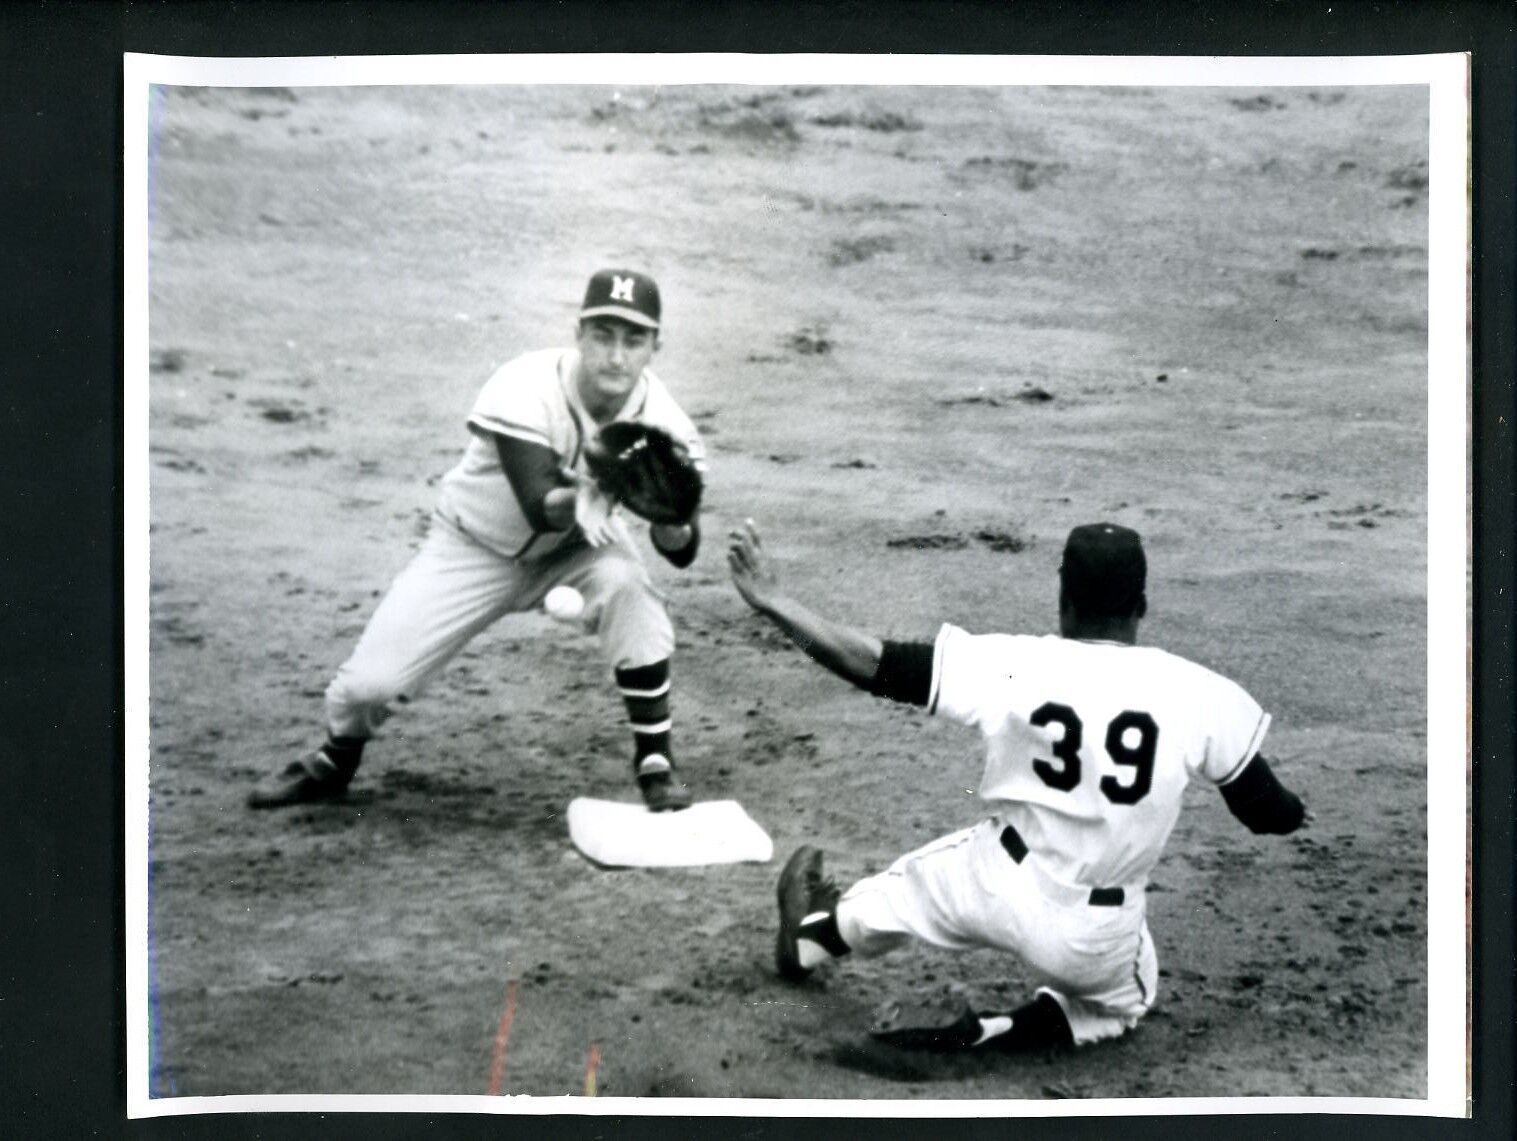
x: 904, y: 673
x: 1254, y: 744
x: 935, y: 688
x: 514, y: 431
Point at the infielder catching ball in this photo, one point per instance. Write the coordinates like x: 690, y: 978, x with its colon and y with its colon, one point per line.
x: 520, y: 514
x: 1090, y: 741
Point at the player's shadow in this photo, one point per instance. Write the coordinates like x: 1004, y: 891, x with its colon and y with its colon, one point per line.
x: 865, y: 1055
x: 412, y: 805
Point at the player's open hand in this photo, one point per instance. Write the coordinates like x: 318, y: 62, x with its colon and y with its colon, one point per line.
x: 592, y: 510
x: 751, y: 572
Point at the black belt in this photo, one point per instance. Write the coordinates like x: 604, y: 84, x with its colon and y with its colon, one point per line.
x: 1016, y: 848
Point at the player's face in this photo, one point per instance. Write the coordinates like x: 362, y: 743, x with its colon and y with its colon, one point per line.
x: 612, y: 356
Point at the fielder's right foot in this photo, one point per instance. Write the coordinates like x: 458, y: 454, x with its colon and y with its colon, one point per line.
x: 808, y: 916
x: 662, y: 789
x: 314, y: 777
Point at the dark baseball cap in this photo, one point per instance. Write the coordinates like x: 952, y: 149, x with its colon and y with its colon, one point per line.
x: 624, y: 294
x: 1104, y: 572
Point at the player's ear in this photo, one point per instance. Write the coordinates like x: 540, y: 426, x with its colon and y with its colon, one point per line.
x: 1066, y: 608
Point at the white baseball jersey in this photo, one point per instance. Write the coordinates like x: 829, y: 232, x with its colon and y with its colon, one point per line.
x: 1089, y: 744
x: 533, y: 398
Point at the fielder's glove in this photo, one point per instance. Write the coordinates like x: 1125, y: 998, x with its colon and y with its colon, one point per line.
x: 647, y: 469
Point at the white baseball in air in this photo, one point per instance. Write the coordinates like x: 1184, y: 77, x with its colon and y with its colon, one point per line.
x: 564, y: 603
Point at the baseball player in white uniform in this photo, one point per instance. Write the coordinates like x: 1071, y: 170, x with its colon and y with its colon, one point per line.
x: 516, y: 517
x: 1090, y: 740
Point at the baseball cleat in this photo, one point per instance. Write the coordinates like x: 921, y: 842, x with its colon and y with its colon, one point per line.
x: 662, y: 789
x: 804, y: 893
x: 1039, y: 1025
x: 314, y: 777
x: 967, y: 1032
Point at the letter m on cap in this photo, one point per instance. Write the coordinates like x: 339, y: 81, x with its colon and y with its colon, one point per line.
x: 621, y: 288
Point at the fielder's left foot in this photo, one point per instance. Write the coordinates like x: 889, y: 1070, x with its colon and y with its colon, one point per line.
x: 662, y: 789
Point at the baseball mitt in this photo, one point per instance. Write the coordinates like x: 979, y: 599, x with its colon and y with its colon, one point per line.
x: 647, y: 469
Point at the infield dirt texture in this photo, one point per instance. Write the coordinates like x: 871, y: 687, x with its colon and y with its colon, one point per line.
x: 925, y: 331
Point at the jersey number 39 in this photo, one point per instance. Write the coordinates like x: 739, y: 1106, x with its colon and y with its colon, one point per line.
x: 1139, y: 757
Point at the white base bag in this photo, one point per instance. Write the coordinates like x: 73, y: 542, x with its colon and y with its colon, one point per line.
x: 616, y: 834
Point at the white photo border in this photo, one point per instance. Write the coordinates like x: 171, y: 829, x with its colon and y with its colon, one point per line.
x: 1448, y: 730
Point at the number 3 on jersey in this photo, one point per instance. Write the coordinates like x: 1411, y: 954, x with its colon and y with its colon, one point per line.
x: 1138, y: 757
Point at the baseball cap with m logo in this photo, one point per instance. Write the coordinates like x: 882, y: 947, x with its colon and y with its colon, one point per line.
x: 624, y: 294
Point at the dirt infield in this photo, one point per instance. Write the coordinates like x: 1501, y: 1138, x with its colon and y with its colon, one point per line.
x: 926, y: 331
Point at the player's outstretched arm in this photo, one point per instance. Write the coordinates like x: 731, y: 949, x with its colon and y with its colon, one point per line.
x: 1256, y: 797
x: 851, y: 654
x: 546, y: 498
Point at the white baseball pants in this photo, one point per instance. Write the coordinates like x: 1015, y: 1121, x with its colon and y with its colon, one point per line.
x: 964, y: 891
x: 454, y: 588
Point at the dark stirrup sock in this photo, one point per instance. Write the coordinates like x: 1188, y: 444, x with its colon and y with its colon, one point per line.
x: 823, y: 931
x: 344, y: 752
x: 645, y: 691
x: 1037, y: 1025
